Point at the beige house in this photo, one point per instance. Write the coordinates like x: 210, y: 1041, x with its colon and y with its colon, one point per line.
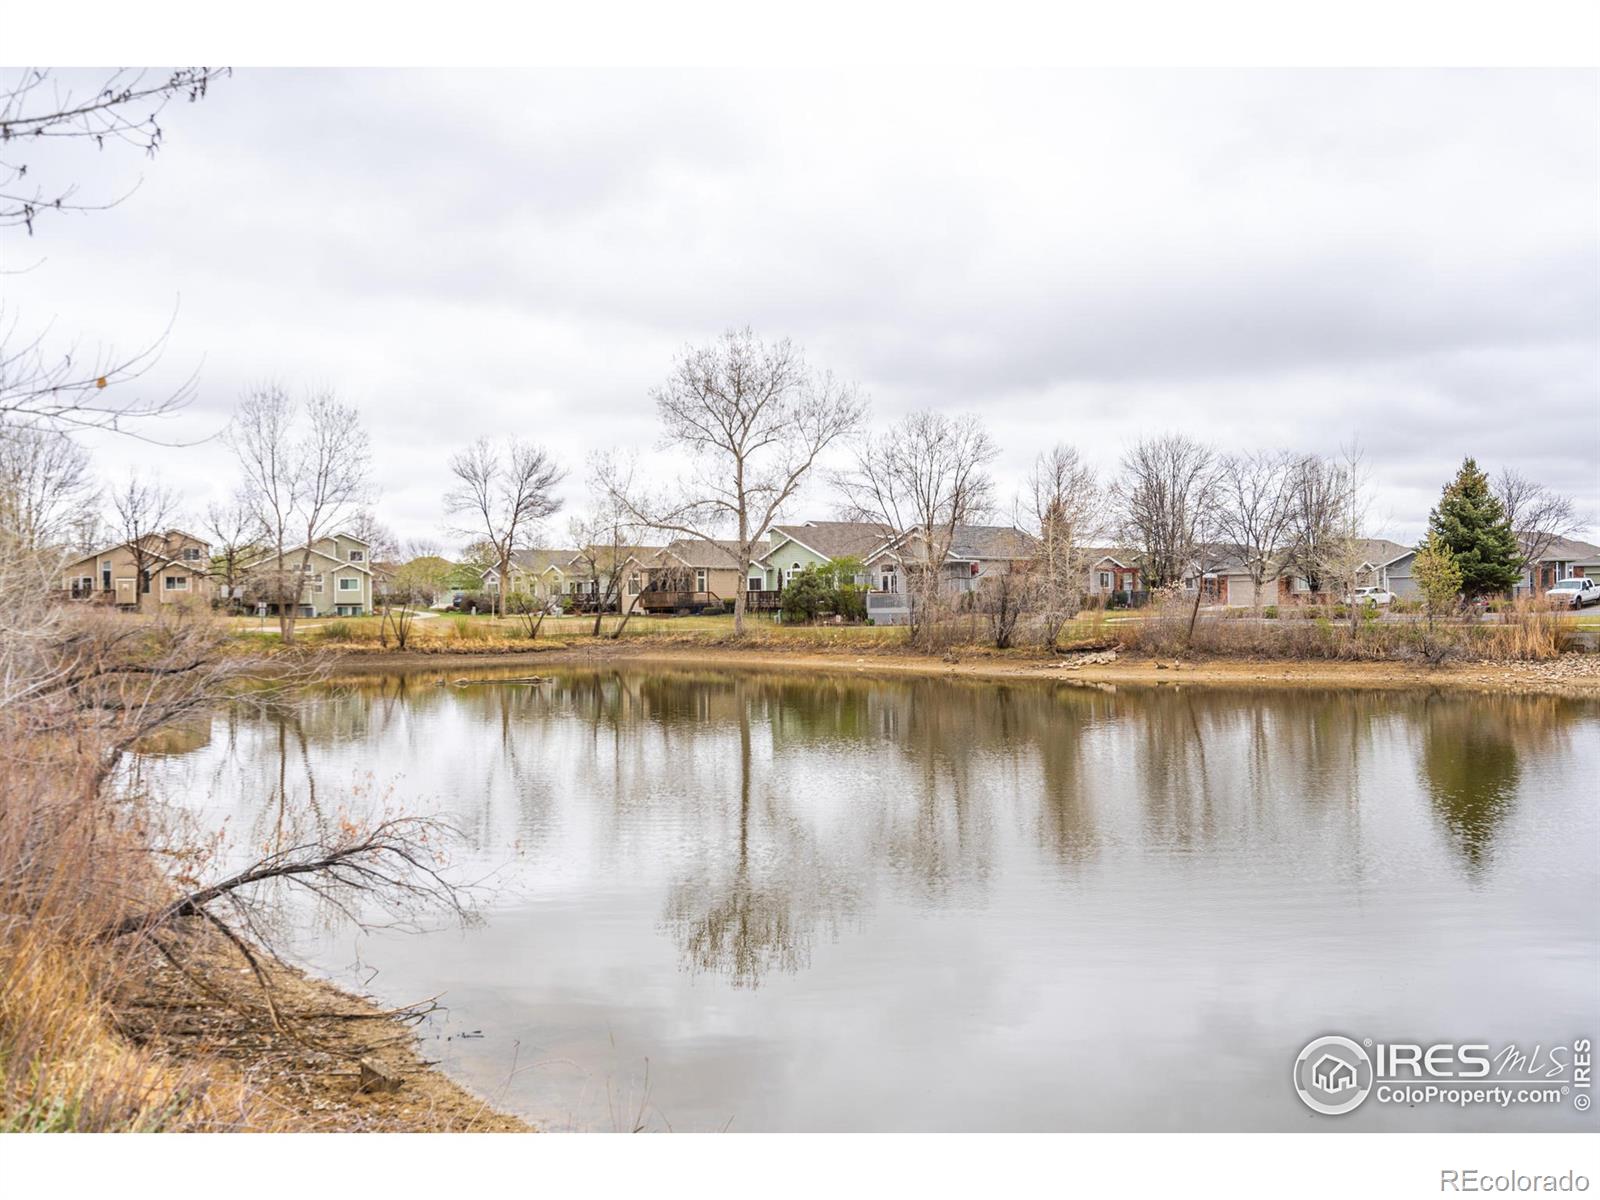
x: 337, y: 579
x: 167, y: 568
x: 695, y: 574
x: 542, y: 572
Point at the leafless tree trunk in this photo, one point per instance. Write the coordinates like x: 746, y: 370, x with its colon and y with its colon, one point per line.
x: 605, y: 538
x: 305, y: 471
x: 754, y: 417
x: 1068, y: 512
x: 144, y: 514
x: 505, y: 496
x: 1167, y: 500
x: 1256, y: 498
x: 926, y: 477
x: 1328, y: 516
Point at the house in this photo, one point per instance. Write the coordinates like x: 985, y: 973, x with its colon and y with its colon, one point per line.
x: 1226, y: 579
x: 1112, y: 571
x: 542, y: 572
x: 591, y: 572
x: 815, y: 544
x: 977, y: 553
x: 1564, y: 558
x: 173, y: 567
x: 695, y: 574
x: 338, y: 578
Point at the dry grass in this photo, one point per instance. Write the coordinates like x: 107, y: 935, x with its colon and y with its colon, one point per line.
x: 1525, y: 632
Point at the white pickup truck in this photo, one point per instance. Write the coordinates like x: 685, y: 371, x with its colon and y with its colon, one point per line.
x: 1575, y: 593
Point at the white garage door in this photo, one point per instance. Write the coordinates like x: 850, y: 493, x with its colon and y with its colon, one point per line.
x: 1241, y: 593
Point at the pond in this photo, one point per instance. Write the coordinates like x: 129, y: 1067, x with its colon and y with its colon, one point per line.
x: 754, y: 901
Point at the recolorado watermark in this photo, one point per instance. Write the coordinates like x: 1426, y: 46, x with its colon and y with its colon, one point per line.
x: 1457, y: 1179
x: 1334, y: 1074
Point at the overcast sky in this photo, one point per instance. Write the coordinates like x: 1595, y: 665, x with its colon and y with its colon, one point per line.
x: 1405, y: 260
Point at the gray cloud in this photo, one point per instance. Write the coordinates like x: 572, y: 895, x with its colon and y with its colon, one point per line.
x: 1405, y: 259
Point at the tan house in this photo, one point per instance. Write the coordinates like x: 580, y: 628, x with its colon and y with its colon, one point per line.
x: 695, y: 574
x: 594, y: 572
x: 337, y: 579
x: 173, y: 567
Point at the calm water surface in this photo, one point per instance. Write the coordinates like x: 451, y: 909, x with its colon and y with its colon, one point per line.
x: 758, y: 902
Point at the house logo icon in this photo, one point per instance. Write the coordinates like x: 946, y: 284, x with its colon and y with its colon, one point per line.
x: 1333, y: 1075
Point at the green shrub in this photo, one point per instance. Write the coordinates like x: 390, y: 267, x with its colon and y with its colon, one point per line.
x: 850, y: 602
x: 1270, y: 612
x: 805, y: 596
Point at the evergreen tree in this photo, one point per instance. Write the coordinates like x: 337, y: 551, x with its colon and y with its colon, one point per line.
x: 1472, y: 523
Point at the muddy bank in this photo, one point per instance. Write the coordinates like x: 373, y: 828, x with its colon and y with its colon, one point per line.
x: 1572, y: 674
x: 298, y: 1062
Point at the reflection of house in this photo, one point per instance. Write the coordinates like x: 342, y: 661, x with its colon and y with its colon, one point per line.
x: 336, y: 579
x: 174, y: 566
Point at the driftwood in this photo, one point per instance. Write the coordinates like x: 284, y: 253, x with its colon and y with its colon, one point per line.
x: 391, y: 861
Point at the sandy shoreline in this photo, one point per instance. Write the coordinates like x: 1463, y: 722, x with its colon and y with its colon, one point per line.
x: 1573, y: 674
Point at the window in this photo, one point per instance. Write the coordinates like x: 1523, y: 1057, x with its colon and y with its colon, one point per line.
x: 700, y: 579
x: 756, y: 584
x: 357, y: 555
x: 191, y: 554
x: 1105, y: 580
x: 316, y: 582
x: 349, y: 585
x: 175, y: 583
x: 633, y: 583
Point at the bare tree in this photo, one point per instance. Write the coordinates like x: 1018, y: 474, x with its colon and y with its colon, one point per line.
x: 1067, y: 506
x: 412, y: 585
x: 305, y: 469
x: 1316, y: 501
x: 143, y: 514
x: 754, y: 418
x: 925, y: 477
x: 1167, y: 498
x: 235, y: 531
x: 45, y: 486
x: 505, y: 496
x: 1327, y: 524
x: 49, y: 388
x: 121, y: 107
x: 382, y: 544
x: 1539, y: 517
x: 606, y: 538
x: 1254, y: 512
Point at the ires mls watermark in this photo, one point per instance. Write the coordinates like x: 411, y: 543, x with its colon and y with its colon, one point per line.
x: 1335, y: 1075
